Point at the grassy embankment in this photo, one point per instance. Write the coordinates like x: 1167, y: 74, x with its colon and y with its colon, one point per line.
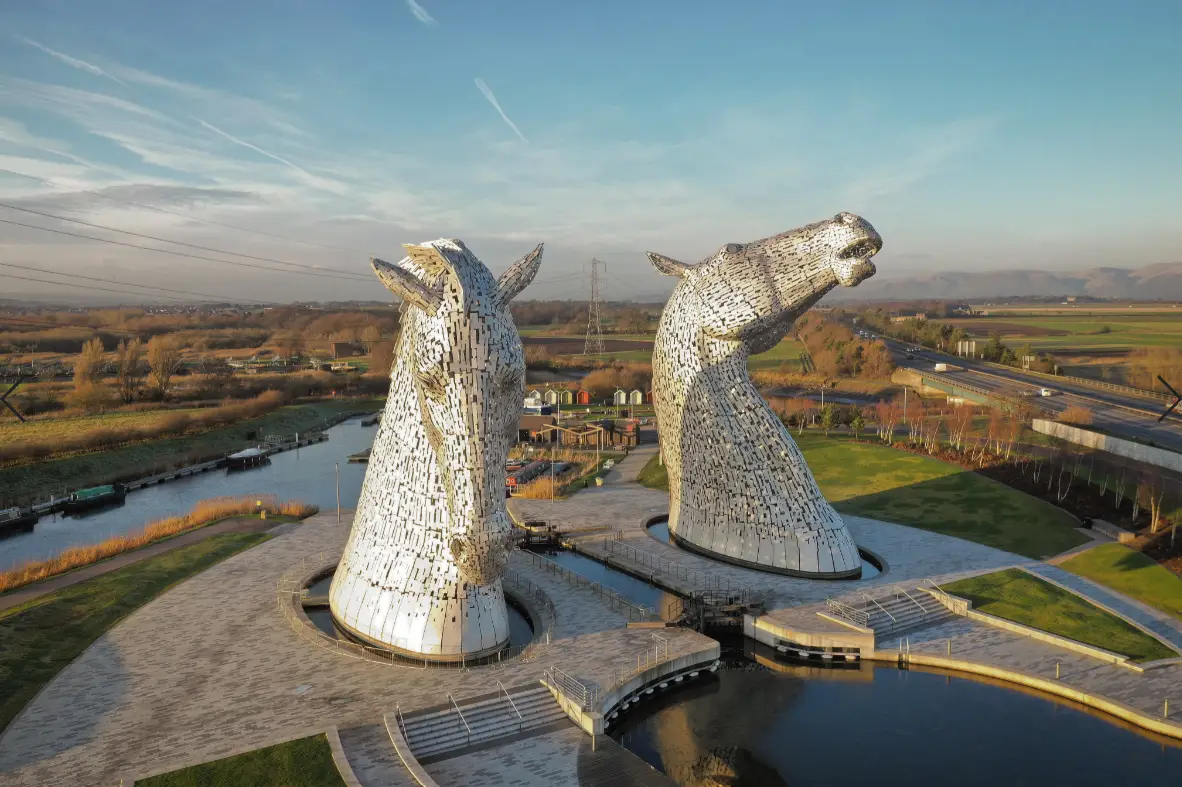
x: 1015, y: 595
x: 1131, y: 573
x: 38, y: 639
x: 38, y: 481
x: 205, y: 513
x: 306, y: 762
x: 875, y: 481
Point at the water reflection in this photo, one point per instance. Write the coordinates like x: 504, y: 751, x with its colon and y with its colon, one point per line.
x: 873, y: 724
x: 628, y: 586
x: 306, y: 474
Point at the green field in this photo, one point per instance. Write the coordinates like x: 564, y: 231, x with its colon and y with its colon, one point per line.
x: 1131, y: 573
x: 1015, y: 595
x: 39, y: 638
x: 873, y: 480
x: 47, y: 427
x: 786, y: 352
x: 58, y: 476
x: 1124, y: 331
x: 306, y: 762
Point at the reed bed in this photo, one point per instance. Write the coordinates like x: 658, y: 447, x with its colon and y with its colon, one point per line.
x: 203, y: 513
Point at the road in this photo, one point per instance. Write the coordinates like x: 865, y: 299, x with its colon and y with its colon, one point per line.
x: 1120, y: 414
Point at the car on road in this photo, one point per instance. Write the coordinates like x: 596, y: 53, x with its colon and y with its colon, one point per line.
x: 910, y: 357
x: 1046, y: 392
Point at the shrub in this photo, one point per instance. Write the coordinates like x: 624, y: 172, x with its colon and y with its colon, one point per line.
x: 204, y: 513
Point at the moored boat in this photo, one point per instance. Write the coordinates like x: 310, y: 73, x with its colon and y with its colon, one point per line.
x: 251, y: 457
x: 94, y: 497
x: 14, y: 520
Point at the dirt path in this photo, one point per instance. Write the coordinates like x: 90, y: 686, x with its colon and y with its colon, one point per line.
x: 38, y: 589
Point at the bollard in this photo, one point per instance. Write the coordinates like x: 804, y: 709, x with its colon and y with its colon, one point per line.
x: 949, y: 647
x: 1056, y: 670
x: 1165, y: 709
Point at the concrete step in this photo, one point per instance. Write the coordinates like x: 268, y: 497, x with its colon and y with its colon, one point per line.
x: 442, y: 731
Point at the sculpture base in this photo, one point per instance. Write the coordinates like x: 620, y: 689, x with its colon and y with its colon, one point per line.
x: 791, y: 572
x: 436, y: 658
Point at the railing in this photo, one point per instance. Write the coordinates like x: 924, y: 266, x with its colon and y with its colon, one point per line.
x: 586, y: 695
x: 852, y: 614
x: 290, y: 587
x: 635, y: 611
x: 512, y: 704
x: 702, y: 580
x: 880, y: 606
x: 1086, y: 381
x: 462, y: 719
x: 939, y: 590
x: 899, y: 590
x: 648, y: 658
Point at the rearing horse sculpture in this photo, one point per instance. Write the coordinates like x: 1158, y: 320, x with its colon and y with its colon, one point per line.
x: 421, y: 572
x: 739, y: 488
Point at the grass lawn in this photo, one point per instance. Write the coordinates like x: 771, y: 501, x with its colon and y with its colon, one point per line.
x: 786, y: 352
x: 872, y: 480
x: 47, y: 427
x: 1015, y: 595
x: 306, y: 762
x: 1129, y: 572
x: 38, y: 639
x: 38, y: 480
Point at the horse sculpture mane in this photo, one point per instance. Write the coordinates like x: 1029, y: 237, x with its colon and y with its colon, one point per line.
x: 421, y: 572
x: 739, y: 488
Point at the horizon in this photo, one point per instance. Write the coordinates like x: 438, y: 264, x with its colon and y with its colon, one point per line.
x: 974, y: 140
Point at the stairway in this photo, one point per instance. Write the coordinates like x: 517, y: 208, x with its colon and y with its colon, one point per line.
x: 435, y: 734
x: 894, y: 612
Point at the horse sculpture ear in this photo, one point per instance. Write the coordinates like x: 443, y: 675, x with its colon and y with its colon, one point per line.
x: 518, y: 277
x: 667, y: 265
x: 406, y: 285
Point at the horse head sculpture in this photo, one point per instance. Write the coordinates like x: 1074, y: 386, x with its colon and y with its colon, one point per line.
x: 422, y: 567
x: 739, y: 487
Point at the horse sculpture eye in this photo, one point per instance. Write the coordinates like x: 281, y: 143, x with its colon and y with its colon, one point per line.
x: 433, y: 382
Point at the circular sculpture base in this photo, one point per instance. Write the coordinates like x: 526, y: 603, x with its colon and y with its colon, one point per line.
x: 690, y: 547
x: 437, y: 658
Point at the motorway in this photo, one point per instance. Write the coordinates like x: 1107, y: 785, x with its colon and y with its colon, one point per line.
x: 1120, y: 414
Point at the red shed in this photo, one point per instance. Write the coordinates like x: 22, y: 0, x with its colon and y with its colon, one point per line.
x: 584, y: 397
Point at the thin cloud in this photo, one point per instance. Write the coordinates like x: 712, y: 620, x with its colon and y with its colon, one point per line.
x: 488, y: 94
x: 421, y: 13
x: 73, y: 62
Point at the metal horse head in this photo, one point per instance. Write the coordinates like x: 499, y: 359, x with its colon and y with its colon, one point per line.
x: 460, y: 366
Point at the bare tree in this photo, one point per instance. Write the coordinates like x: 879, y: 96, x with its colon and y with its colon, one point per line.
x: 129, y: 369
x: 164, y: 358
x: 89, y: 367
x: 371, y: 335
x: 381, y: 358
x: 959, y: 422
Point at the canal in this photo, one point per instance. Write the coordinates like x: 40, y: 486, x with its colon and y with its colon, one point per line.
x: 763, y: 724
x: 305, y: 474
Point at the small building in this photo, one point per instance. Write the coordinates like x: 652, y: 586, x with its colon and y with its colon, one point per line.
x: 648, y: 396
x: 534, y: 394
x: 534, y: 428
x: 636, y: 397
x: 621, y: 432
x: 620, y: 397
x: 584, y: 397
x: 567, y: 396
x: 346, y: 349
x: 551, y: 396
x: 580, y: 435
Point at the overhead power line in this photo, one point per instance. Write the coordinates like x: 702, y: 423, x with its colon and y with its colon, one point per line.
x: 175, y: 242
x: 121, y: 283
x: 180, y: 253
x: 181, y: 215
x: 85, y: 286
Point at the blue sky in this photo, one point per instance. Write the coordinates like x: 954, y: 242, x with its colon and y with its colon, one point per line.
x: 983, y: 136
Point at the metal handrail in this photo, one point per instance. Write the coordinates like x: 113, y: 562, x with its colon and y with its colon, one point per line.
x: 462, y: 719
x: 513, y: 705
x: 880, y: 606
x: 852, y: 614
x: 706, y: 580
x: 588, y: 695
x: 938, y: 589
x: 643, y: 613
x: 922, y: 608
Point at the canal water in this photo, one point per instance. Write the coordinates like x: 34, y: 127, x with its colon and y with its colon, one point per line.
x: 752, y: 726
x: 305, y: 474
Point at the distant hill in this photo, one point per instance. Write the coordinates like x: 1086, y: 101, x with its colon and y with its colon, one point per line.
x: 1153, y: 282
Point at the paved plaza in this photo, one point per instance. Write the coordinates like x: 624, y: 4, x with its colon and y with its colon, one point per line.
x: 211, y: 668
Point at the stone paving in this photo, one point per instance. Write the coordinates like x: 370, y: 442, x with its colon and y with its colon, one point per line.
x: 987, y: 644
x: 372, y: 756
x: 210, y: 669
x: 1166, y: 627
x: 557, y: 758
